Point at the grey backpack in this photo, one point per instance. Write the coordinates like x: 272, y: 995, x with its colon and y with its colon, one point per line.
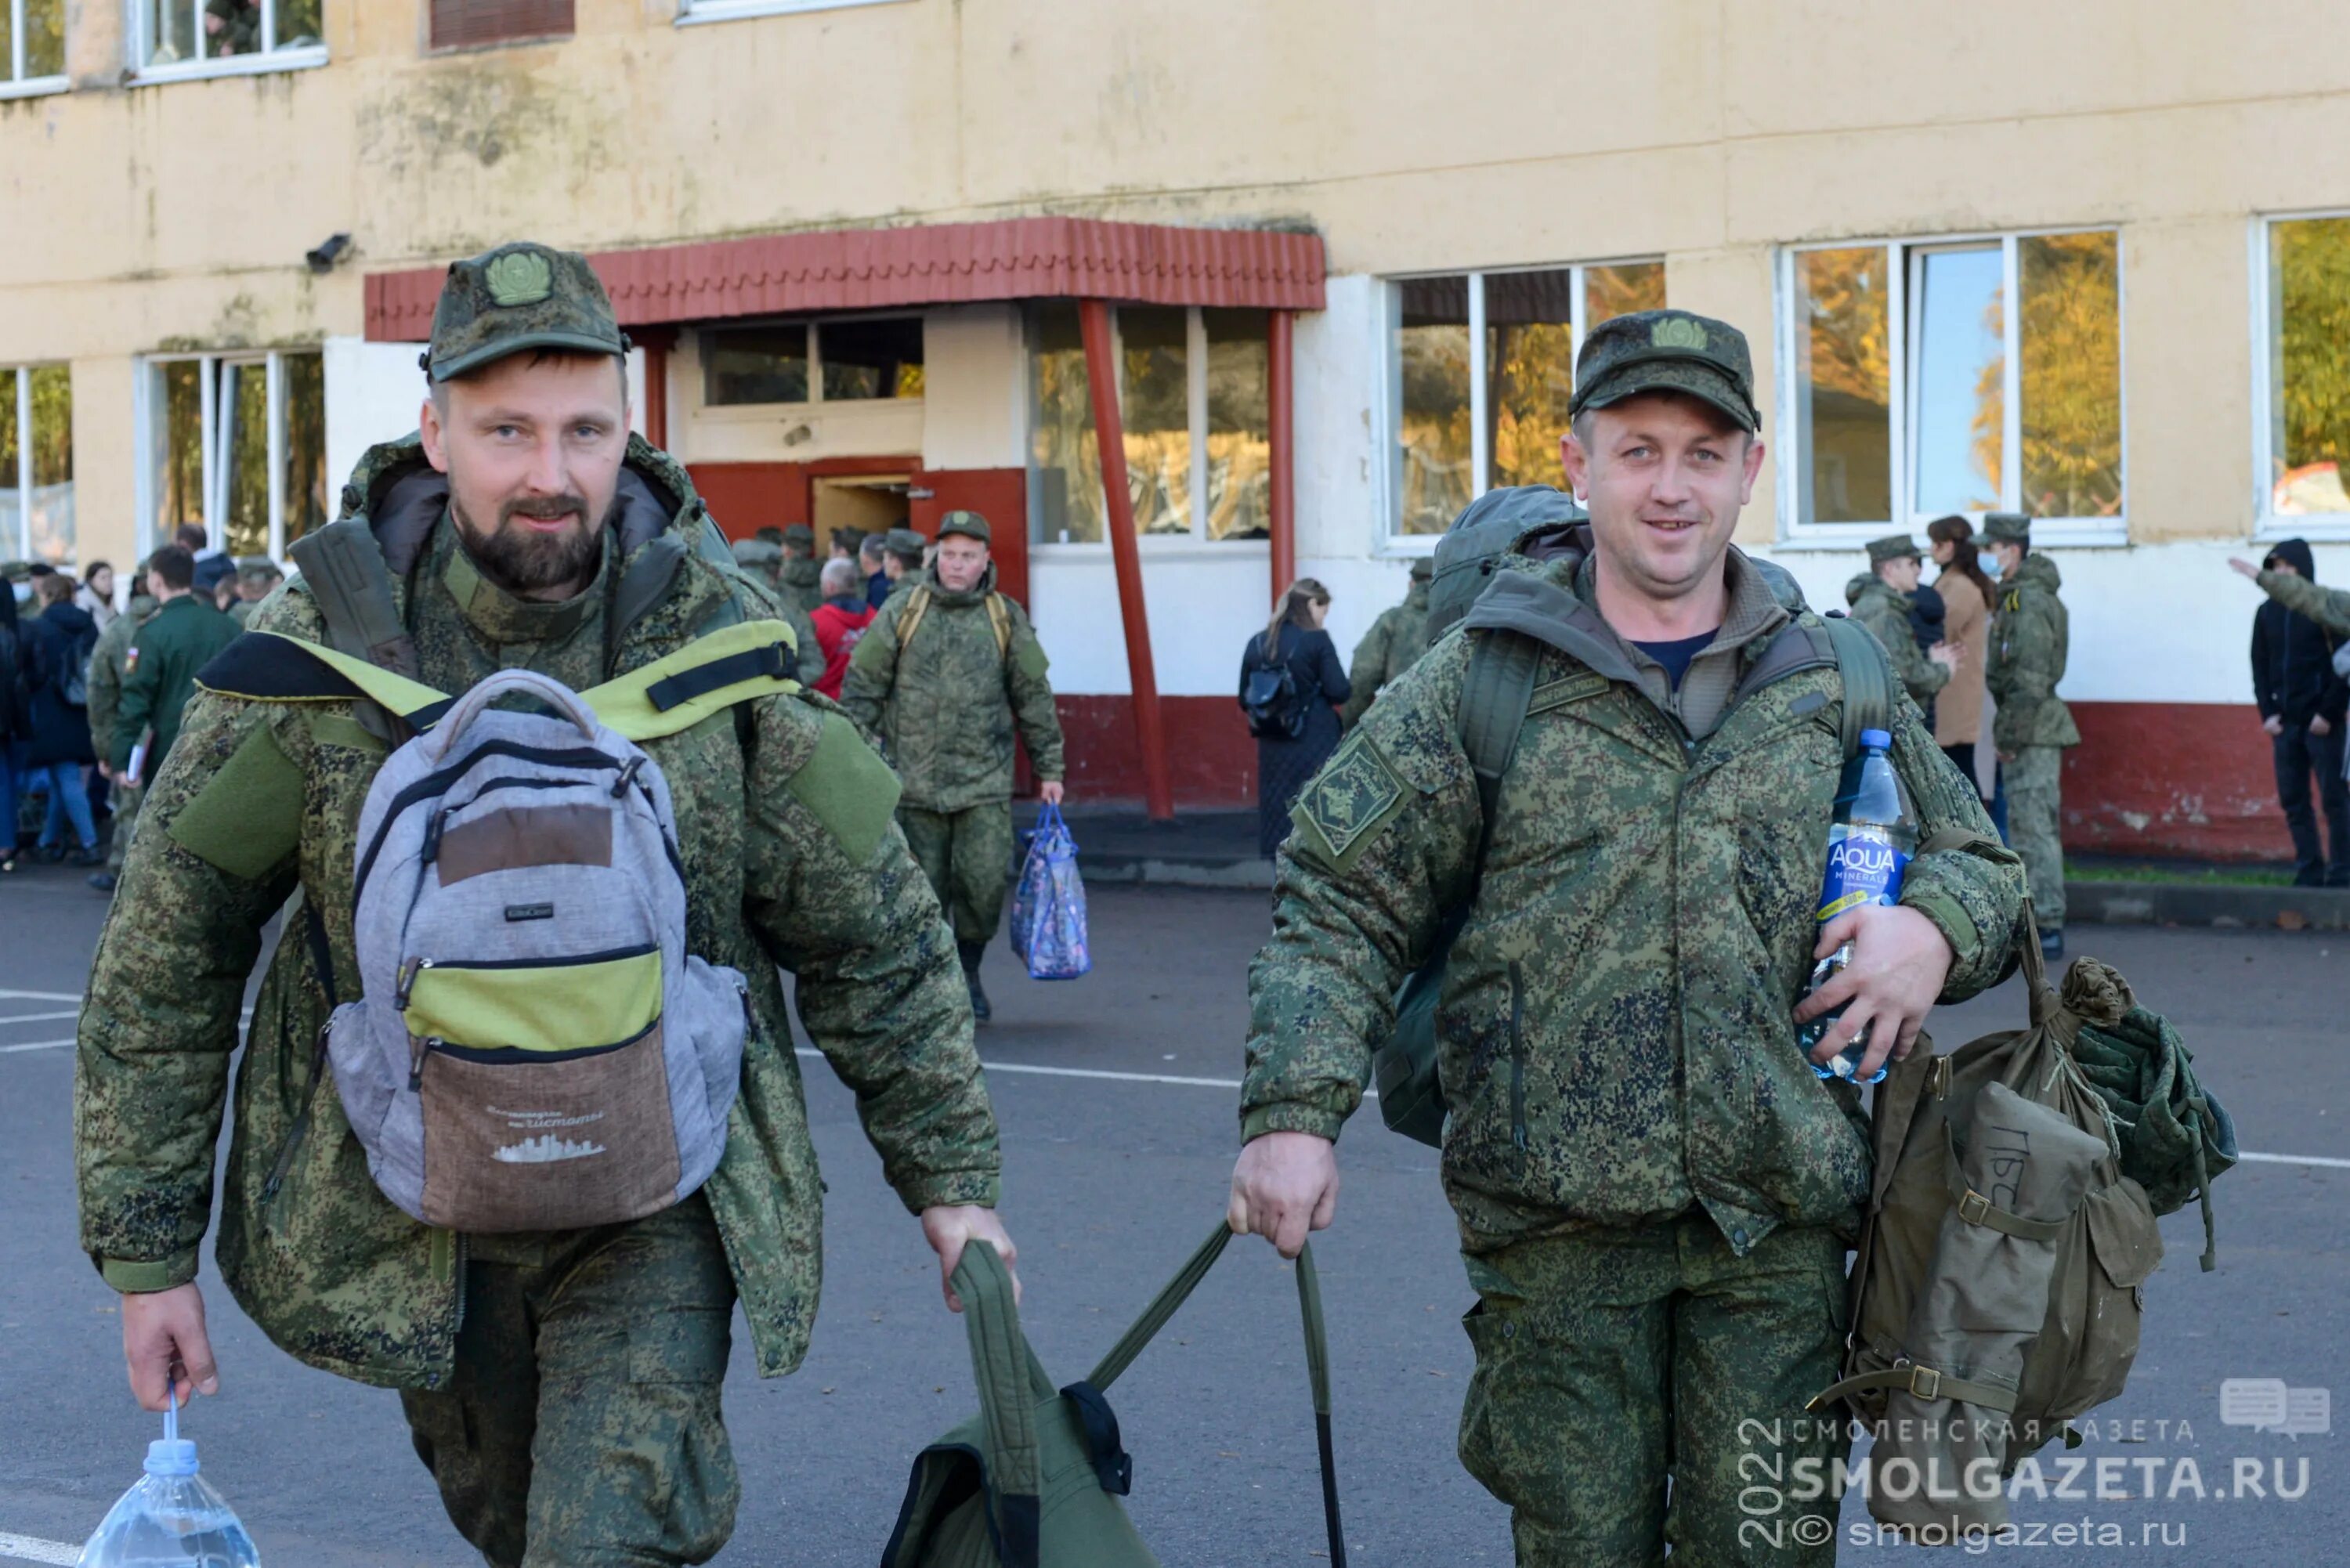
x: 536, y: 1050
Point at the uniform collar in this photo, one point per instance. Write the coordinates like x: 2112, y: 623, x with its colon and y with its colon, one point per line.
x: 500, y: 617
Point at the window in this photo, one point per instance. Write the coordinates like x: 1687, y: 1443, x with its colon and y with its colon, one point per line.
x: 1193, y: 399
x: 2302, y: 393
x: 469, y: 24
x: 237, y: 445
x: 813, y: 362
x: 32, y: 47
x: 1913, y: 391
x: 1482, y: 369
x: 36, y: 492
x: 175, y: 38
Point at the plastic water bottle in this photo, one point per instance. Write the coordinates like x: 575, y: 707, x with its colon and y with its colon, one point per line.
x: 1874, y: 833
x: 172, y: 1518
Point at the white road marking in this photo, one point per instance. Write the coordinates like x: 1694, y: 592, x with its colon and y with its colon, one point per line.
x: 40, y: 995
x: 35, y: 1045
x: 40, y: 1017
x: 33, y: 1548
x: 2296, y: 1160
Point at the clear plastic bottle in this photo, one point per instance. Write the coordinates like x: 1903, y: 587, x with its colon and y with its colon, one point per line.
x: 1873, y: 835
x: 172, y: 1518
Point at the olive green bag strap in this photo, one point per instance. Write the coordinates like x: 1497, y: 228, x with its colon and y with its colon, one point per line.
x: 1012, y: 1384
x: 1867, y: 675
x: 917, y: 604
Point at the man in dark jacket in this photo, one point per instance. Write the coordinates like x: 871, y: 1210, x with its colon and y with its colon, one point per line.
x: 159, y: 671
x: 2302, y: 702
x: 57, y: 647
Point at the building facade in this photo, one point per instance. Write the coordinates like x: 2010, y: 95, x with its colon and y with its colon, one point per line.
x: 2089, y: 261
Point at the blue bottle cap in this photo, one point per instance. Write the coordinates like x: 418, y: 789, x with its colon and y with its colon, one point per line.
x: 1879, y: 739
x: 171, y: 1457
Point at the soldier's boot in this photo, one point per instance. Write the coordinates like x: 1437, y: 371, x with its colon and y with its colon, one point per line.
x: 972, y: 954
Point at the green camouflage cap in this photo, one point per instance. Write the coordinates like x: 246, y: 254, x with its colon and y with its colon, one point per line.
x: 849, y: 539
x: 1894, y: 547
x: 15, y: 571
x: 1422, y: 568
x: 771, y: 534
x: 756, y: 552
x: 1667, y: 351
x: 517, y: 296
x: 904, y: 542
x: 2007, y: 528
x: 258, y: 569
x: 970, y: 524
x: 797, y: 534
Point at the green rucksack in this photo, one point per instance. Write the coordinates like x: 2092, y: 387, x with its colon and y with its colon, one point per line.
x: 1525, y: 529
x: 1034, y: 1480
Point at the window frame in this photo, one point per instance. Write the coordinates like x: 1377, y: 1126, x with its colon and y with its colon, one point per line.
x: 815, y: 400
x: 15, y: 83
x: 1902, y: 349
x: 20, y: 380
x: 1194, y: 541
x: 2268, y: 524
x: 149, y: 415
x: 701, y: 13
x: 1393, y: 543
x: 260, y: 62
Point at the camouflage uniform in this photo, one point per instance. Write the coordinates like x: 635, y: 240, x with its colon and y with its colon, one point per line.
x: 107, y: 665
x: 763, y: 559
x: 1884, y: 610
x: 258, y: 573
x: 2329, y: 607
x: 800, y: 585
x: 1387, y: 651
x: 1652, y: 1187
x: 789, y: 858
x: 2028, y: 644
x: 946, y: 702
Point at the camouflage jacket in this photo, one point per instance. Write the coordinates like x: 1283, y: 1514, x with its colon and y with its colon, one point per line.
x: 1879, y: 608
x: 1387, y: 651
x: 798, y: 584
x: 1617, y: 1029
x: 790, y: 857
x: 2030, y: 634
x: 948, y: 701
x: 2329, y: 607
x: 107, y: 666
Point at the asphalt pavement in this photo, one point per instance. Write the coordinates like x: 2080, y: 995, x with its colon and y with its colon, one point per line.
x: 1116, y: 1099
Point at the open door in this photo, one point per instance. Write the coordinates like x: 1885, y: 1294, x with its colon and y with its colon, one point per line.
x: 998, y: 495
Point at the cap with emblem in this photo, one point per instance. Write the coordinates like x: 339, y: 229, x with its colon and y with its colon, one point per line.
x: 257, y: 570
x: 2007, y: 528
x: 1667, y: 351
x: 970, y: 524
x: 1894, y: 547
x: 518, y: 297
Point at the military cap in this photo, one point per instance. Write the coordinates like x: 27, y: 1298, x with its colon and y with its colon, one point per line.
x: 904, y: 542
x: 771, y: 534
x: 849, y: 539
x: 518, y: 297
x: 258, y: 569
x: 1893, y: 547
x: 970, y: 524
x: 800, y: 533
x: 1422, y: 568
x: 757, y: 553
x: 16, y: 571
x: 1667, y: 351
x: 2007, y: 528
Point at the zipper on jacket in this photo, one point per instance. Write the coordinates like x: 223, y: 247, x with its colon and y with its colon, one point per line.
x: 1517, y: 1058
x: 300, y: 1130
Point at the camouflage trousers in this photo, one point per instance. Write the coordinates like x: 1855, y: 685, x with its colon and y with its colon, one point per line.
x: 126, y: 817
x: 2034, y: 826
x: 1610, y: 1360
x: 967, y: 857
x: 582, y: 1427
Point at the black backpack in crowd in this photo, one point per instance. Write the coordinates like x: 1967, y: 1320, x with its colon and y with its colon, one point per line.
x: 1269, y: 697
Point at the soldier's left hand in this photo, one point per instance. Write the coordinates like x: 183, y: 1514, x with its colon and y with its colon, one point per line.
x: 1899, y: 962
x: 947, y: 1229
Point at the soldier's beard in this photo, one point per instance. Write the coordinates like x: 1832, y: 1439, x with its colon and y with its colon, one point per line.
x: 525, y: 562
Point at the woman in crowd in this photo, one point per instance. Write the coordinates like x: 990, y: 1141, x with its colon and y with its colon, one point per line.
x: 1967, y: 597
x: 1294, y: 719
x: 97, y: 594
x: 12, y: 720
x: 56, y: 737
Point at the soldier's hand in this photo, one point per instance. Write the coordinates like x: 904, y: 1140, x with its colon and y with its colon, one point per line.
x: 2244, y: 567
x: 946, y: 1228
x: 165, y: 1347
x: 1049, y: 792
x: 1283, y: 1184
x: 1899, y: 962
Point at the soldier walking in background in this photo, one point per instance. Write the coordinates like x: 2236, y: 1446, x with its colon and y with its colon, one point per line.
x: 798, y: 582
x: 2030, y: 638
x: 1655, y: 1192
x: 764, y: 560
x: 109, y: 662
x: 901, y: 560
x: 945, y: 674
x: 1387, y: 651
x: 1880, y: 598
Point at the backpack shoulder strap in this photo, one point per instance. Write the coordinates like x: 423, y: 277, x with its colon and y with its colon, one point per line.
x: 351, y: 582
x: 998, y: 616
x: 917, y: 604
x: 272, y: 667
x: 1867, y: 676
x: 1494, y: 698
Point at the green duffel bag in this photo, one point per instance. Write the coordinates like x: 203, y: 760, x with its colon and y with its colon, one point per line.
x: 1034, y: 1480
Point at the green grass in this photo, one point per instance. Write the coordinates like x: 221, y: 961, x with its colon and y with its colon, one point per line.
x: 2225, y: 875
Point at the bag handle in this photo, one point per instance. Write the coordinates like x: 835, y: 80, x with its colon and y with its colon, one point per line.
x: 529, y: 682
x: 1177, y: 1290
x: 1015, y: 1460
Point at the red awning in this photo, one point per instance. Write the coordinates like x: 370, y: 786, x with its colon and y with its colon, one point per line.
x: 936, y: 264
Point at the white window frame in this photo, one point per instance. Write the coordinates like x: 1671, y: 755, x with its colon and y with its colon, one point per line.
x: 261, y: 62
x: 1393, y: 543
x: 2268, y: 522
x: 816, y: 397
x: 216, y: 436
x: 1905, y: 261
x: 696, y: 13
x: 15, y: 83
x: 1195, y: 539
x: 20, y: 385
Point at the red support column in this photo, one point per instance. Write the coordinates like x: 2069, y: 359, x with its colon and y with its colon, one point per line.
x: 656, y: 346
x: 1280, y: 390
x: 1109, y: 435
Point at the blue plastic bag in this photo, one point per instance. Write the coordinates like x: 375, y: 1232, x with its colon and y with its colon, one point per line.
x: 1048, y: 904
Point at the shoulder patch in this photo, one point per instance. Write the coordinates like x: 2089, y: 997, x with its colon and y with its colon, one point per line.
x: 1356, y: 794
x: 1567, y: 689
x: 248, y: 817
x: 846, y: 786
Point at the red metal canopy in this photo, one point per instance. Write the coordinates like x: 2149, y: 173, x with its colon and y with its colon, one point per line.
x: 936, y: 264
